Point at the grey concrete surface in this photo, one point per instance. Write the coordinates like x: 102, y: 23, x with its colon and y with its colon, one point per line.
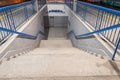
x: 57, y: 32
x: 68, y: 78
x: 59, y: 63
x: 55, y: 43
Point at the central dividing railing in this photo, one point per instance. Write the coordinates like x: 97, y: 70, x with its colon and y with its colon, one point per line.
x: 11, y: 17
x: 98, y: 18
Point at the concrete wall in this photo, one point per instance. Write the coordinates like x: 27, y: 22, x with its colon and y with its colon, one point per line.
x: 55, y: 19
x: 56, y: 6
x: 91, y: 43
x: 15, y: 44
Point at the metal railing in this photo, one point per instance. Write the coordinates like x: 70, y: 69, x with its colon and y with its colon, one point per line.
x: 23, y: 35
x: 11, y: 17
x: 41, y: 3
x: 69, y: 3
x: 99, y: 18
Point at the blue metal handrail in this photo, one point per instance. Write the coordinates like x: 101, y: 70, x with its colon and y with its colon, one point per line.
x: 94, y: 32
x: 99, y: 31
x: 25, y: 35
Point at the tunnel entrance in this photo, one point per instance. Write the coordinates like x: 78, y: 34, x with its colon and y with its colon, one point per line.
x: 55, y: 23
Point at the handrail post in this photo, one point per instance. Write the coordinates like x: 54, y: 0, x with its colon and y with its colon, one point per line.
x: 8, y: 19
x: 116, y: 48
x: 84, y: 13
x: 26, y: 12
x: 13, y: 20
x: 74, y: 5
x: 36, y: 3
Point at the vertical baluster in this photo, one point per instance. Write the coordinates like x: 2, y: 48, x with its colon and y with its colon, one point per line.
x: 116, y: 48
x: 12, y: 19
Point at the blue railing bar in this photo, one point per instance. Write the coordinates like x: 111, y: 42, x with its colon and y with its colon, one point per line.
x: 94, y: 32
x: 41, y: 33
x: 101, y: 8
x: 115, y: 51
x: 14, y: 6
x: 21, y: 34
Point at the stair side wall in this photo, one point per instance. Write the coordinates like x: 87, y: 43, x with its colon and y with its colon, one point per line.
x: 15, y: 45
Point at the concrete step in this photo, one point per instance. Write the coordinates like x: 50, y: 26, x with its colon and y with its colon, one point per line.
x: 57, y: 38
x: 55, y: 43
x: 67, y: 78
x: 55, y: 51
x: 57, y: 32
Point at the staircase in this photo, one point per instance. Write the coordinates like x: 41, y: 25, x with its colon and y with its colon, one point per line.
x: 57, y: 60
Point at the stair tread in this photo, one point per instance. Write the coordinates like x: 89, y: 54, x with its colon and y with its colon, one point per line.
x: 68, y: 78
x: 55, y: 43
